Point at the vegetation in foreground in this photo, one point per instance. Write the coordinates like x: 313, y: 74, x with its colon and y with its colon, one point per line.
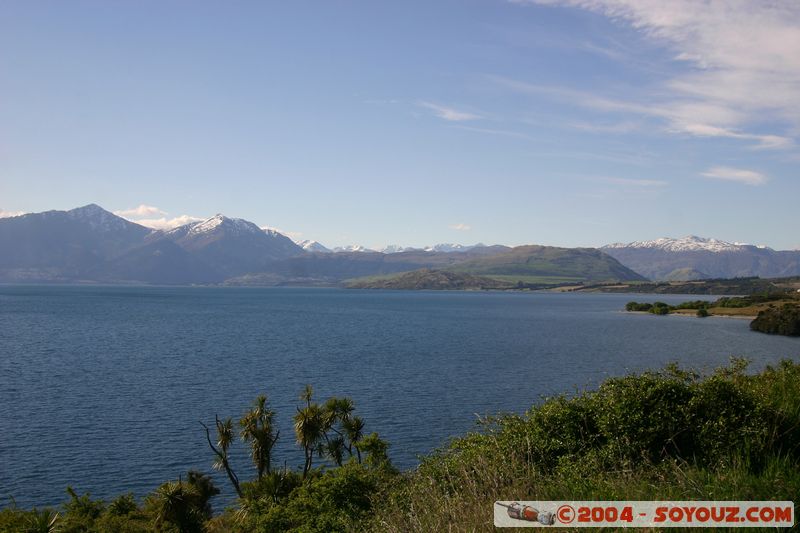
x: 669, y: 434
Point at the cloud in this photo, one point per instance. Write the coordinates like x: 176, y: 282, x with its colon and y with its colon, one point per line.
x: 691, y: 118
x: 9, y: 214
x: 740, y: 57
x: 294, y: 235
x: 165, y: 223
x: 141, y: 211
x: 740, y: 175
x: 460, y: 227
x: 148, y: 216
x: 448, y: 113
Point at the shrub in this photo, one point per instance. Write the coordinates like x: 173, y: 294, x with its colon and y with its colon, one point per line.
x: 657, y: 435
x: 784, y: 320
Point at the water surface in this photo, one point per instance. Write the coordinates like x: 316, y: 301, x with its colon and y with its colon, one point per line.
x: 104, y: 387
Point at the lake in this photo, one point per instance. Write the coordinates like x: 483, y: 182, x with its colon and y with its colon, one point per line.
x: 104, y: 388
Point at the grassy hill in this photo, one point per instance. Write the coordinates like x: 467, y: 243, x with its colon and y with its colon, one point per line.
x: 427, y: 279
x: 533, y: 262
x: 523, y: 267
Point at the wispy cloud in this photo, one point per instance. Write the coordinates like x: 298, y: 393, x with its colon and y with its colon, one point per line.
x: 165, y: 223
x: 9, y: 214
x: 148, y: 216
x: 294, y: 235
x: 449, y: 113
x: 681, y: 117
x: 141, y: 211
x: 743, y: 65
x: 740, y: 175
x: 460, y: 227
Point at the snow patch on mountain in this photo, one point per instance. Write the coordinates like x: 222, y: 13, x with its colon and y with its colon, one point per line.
x: 234, y: 225
x: 352, y: 248
x: 396, y: 249
x: 98, y: 218
x: 313, y: 246
x: 690, y: 243
x: 442, y: 247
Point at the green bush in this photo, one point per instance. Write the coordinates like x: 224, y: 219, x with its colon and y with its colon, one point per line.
x: 660, y: 308
x: 333, y: 501
x: 636, y: 306
x: 784, y: 320
x: 658, y: 435
x: 694, y: 304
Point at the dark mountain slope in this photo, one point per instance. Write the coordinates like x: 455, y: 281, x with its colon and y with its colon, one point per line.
x: 57, y: 245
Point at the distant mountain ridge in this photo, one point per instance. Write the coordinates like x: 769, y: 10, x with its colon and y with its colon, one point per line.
x: 695, y: 257
x: 63, y: 245
x: 89, y: 244
x: 690, y: 243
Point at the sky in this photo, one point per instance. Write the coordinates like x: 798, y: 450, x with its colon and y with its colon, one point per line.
x: 557, y: 122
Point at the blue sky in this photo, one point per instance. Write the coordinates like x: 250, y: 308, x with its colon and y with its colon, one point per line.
x: 575, y: 122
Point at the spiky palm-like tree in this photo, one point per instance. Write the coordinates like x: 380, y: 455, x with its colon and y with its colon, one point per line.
x: 354, y: 430
x: 310, y: 425
x: 258, y: 429
x: 225, y: 437
x: 44, y: 521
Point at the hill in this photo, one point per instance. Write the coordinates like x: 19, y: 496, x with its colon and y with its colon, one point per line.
x: 538, y: 264
x: 333, y: 268
x: 523, y: 267
x: 427, y: 279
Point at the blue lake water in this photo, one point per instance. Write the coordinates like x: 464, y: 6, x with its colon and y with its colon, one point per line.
x: 103, y: 388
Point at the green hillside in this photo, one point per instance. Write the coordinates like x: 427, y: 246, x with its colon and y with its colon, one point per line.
x: 427, y: 279
x: 564, y: 264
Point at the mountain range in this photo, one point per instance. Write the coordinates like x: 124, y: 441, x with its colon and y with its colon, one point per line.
x: 89, y: 244
x: 695, y: 257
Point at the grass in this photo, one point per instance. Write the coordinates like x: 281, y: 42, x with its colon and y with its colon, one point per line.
x: 535, y: 280
x: 741, y: 312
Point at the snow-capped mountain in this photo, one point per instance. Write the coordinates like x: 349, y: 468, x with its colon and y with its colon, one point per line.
x: 443, y: 247
x: 690, y: 243
x: 99, y: 219
x: 396, y: 249
x: 313, y: 246
x: 352, y: 248
x: 218, y: 221
x: 448, y: 247
x: 233, y: 246
x: 693, y: 257
x: 58, y: 245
